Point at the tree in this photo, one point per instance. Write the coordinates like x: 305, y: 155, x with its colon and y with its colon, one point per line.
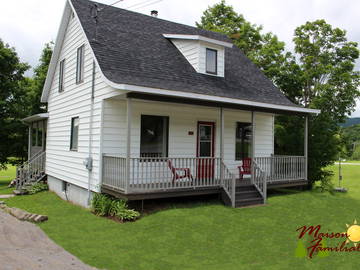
x: 325, y: 74
x: 38, y: 81
x: 20, y: 97
x: 319, y: 74
x: 11, y: 76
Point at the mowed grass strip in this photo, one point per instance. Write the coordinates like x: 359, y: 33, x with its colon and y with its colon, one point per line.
x: 205, y: 235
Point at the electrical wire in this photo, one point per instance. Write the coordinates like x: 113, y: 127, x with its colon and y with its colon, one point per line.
x: 137, y: 4
x: 149, y: 4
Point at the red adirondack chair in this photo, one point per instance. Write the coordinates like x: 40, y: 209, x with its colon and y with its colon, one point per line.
x: 175, y: 171
x: 245, y: 168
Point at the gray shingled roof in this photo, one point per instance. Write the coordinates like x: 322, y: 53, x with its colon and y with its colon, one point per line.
x: 131, y: 49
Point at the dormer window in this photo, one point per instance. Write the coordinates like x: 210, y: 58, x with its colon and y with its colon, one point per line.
x: 211, y: 61
x: 205, y: 55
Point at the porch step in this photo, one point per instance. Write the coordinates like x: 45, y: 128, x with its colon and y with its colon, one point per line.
x: 245, y: 188
x: 247, y: 195
x: 248, y: 201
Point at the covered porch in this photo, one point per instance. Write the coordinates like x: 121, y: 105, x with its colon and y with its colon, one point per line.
x: 207, y: 161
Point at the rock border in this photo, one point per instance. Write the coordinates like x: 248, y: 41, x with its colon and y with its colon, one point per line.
x: 22, y: 214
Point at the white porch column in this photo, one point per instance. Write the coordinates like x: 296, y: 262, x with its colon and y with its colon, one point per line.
x: 128, y: 141
x: 252, y: 144
x: 221, y: 143
x: 30, y: 141
x: 43, y: 135
x: 306, y: 145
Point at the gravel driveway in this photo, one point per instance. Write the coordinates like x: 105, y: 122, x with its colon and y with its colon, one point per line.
x: 23, y: 245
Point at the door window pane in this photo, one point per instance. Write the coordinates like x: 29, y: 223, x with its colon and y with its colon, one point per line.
x: 205, y: 149
x: 154, y: 136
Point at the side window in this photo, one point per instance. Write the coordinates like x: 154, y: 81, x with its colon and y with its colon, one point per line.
x: 80, y: 64
x: 61, y: 75
x: 74, y: 138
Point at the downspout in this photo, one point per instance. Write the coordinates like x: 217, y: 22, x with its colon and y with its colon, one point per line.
x: 89, y: 159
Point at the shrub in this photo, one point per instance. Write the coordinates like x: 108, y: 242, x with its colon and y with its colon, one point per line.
x: 127, y: 214
x: 120, y: 210
x: 37, y: 187
x: 101, y: 204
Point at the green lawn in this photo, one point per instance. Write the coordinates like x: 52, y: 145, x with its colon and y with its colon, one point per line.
x: 206, y: 236
x: 5, y: 177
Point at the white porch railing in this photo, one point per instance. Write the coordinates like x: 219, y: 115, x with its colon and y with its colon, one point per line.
x: 148, y: 173
x: 31, y: 171
x: 228, y: 183
x: 259, y: 180
x: 282, y: 168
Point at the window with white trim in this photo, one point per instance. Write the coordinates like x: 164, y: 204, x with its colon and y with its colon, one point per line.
x: 80, y: 64
x: 74, y: 138
x: 243, y: 140
x: 61, y: 75
x: 154, y: 136
x: 211, y: 61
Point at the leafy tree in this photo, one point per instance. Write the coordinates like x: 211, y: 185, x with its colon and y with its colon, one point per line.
x: 319, y: 74
x: 350, y: 137
x: 20, y: 97
x: 11, y: 76
x: 38, y: 80
x: 325, y: 71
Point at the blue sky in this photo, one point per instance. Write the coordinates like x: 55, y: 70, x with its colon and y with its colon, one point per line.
x: 28, y: 24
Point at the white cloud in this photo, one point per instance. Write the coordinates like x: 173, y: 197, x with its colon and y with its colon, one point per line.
x: 29, y: 24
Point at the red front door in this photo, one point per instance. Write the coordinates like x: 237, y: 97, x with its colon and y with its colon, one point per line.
x: 205, y: 150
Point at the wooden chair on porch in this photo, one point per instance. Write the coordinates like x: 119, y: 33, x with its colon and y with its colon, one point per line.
x: 245, y: 168
x: 179, y: 173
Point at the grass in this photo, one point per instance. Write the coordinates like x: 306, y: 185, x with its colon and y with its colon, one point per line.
x: 5, y: 177
x: 204, y: 236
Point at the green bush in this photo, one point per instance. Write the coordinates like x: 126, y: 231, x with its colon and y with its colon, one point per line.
x: 127, y: 214
x: 37, y: 187
x: 120, y: 210
x: 103, y: 205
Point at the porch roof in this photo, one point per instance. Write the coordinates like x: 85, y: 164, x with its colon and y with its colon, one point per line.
x: 225, y: 103
x: 35, y: 117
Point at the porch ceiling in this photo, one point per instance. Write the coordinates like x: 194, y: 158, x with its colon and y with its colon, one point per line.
x: 207, y: 103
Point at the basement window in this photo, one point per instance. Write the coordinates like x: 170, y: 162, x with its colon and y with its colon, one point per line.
x: 243, y: 140
x: 74, y: 134
x: 211, y: 61
x: 154, y: 136
x: 64, y: 186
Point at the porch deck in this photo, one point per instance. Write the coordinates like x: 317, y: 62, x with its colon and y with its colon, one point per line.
x: 150, y: 178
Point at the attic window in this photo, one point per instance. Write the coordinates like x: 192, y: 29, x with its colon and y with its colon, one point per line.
x: 211, y: 61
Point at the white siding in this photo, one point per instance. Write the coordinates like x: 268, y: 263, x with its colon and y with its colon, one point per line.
x: 195, y: 53
x: 74, y: 101
x: 190, y: 50
x: 182, y: 119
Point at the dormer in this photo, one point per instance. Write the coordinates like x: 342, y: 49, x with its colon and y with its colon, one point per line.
x: 206, y: 55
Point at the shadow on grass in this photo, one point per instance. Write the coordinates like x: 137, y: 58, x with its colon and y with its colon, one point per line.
x: 151, y: 206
